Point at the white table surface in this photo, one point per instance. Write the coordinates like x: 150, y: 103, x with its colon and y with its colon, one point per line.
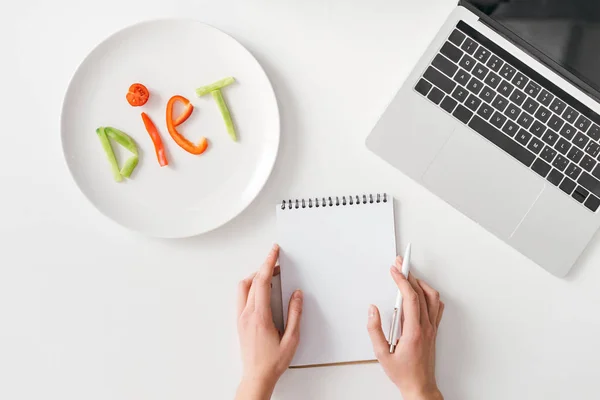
x: 89, y: 310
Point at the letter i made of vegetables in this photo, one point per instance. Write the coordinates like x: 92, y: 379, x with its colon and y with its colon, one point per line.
x: 215, y: 90
x: 124, y: 140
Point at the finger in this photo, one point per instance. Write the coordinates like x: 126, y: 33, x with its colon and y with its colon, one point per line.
x: 424, y: 314
x: 260, y: 292
x: 432, y: 297
x: 440, y: 313
x: 410, y: 303
x: 276, y: 270
x: 243, y: 289
x: 380, y: 345
x: 291, y: 335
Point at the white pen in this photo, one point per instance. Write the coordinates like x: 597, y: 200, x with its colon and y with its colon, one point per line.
x: 395, y: 327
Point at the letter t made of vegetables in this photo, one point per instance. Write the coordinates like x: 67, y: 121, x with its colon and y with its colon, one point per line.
x: 215, y: 90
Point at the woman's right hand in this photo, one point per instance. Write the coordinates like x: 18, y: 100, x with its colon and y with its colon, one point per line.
x: 412, y: 366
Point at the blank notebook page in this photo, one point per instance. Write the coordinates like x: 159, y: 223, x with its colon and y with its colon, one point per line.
x: 340, y: 257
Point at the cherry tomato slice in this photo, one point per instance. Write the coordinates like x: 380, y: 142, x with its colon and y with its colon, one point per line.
x: 138, y: 95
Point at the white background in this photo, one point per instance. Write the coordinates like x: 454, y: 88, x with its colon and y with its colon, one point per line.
x: 89, y: 310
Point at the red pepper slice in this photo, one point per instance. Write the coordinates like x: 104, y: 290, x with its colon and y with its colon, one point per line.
x: 185, y: 115
x: 161, y: 155
x: 178, y: 137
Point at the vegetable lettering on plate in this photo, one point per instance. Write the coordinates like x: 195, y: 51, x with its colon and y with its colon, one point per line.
x: 124, y: 140
x: 215, y: 90
x: 173, y: 123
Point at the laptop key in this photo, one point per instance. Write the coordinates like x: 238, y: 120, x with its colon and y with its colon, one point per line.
x: 510, y: 128
x: 492, y: 80
x: 523, y: 136
x: 594, y: 132
x: 593, y: 149
x: 457, y: 37
x: 590, y: 183
x: 535, y: 145
x: 582, y: 123
x: 444, y: 65
x: 543, y: 114
x: 440, y: 80
x: 555, y: 123
x: 462, y: 77
x: 592, y: 203
x: 587, y: 163
x: 482, y: 54
x: 570, y: 115
x: 573, y: 171
x: 462, y: 113
x: 495, y: 63
x: 541, y: 167
x: 525, y: 120
x: 498, y: 120
x: 563, y: 146
x: 596, y: 172
x: 537, y: 128
x: 485, y: 111
x: 567, y: 186
x: 517, y: 97
x: 548, y: 154
x: 436, y: 95
x: 501, y: 140
x: 469, y: 46
x: 520, y: 80
x: 505, y: 88
x: 555, y: 177
x: 487, y: 94
x: 475, y: 85
x: 451, y: 51
x: 575, y: 154
x: 480, y: 71
x: 448, y: 104
x: 550, y: 137
x: 533, y: 89
x: 558, y: 106
x: 560, y: 162
x: 467, y: 62
x: 567, y: 131
x: 507, y: 72
x: 580, y: 140
x: 500, y: 103
x: 580, y: 194
x: 512, y: 111
x: 530, y: 105
x: 423, y: 87
x: 460, y: 94
x: 545, y: 98
x: 473, y: 102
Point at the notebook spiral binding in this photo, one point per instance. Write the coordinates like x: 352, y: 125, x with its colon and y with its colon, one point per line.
x: 334, y: 201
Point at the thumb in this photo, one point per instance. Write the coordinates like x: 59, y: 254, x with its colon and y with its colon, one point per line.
x: 291, y: 336
x: 380, y: 344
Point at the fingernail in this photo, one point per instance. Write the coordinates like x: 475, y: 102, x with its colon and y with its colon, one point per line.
x: 298, y: 295
x: 394, y: 270
x: 399, y: 259
x: 275, y: 247
x: 372, y: 311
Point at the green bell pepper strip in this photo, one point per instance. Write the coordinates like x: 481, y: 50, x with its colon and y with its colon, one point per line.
x: 214, y: 86
x: 218, y: 96
x: 110, y: 154
x: 126, y: 141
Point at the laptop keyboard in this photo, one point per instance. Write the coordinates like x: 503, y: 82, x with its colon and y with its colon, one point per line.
x: 518, y: 110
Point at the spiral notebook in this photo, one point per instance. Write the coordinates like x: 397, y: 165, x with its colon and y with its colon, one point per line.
x: 338, y: 250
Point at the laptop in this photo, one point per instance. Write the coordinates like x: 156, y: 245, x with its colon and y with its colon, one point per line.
x: 500, y: 118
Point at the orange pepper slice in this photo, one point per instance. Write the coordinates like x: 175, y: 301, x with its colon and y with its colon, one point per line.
x: 172, y: 126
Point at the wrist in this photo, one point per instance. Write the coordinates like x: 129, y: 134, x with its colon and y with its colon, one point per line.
x: 255, y: 389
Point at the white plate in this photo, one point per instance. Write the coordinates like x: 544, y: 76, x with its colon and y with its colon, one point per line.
x: 194, y: 194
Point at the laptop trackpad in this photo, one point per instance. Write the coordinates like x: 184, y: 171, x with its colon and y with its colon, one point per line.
x: 483, y: 182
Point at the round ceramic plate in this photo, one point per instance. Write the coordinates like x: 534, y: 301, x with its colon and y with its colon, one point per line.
x: 194, y: 193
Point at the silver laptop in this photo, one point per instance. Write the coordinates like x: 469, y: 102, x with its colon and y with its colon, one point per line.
x: 500, y: 118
